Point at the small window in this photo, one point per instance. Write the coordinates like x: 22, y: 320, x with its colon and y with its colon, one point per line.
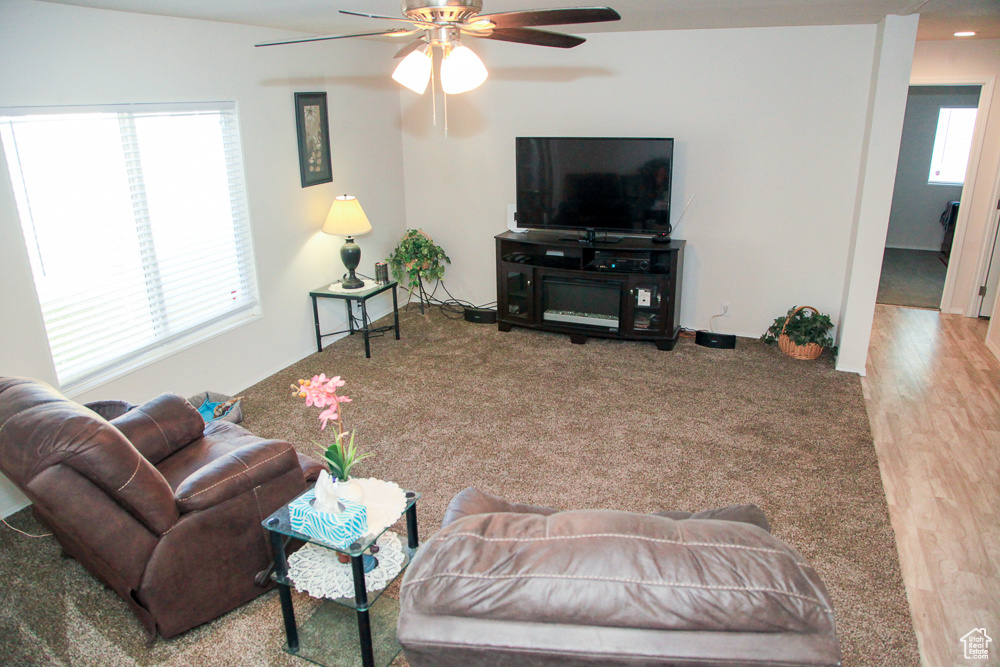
x: 137, y: 229
x: 952, y: 144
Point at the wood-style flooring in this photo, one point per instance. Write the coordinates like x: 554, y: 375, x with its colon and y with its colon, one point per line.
x: 933, y: 398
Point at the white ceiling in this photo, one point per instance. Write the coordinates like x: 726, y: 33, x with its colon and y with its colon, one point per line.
x: 939, y: 19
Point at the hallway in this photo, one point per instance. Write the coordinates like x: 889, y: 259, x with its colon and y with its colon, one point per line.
x: 933, y: 397
x: 911, y: 278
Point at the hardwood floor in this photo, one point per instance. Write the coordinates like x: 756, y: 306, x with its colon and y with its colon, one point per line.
x: 933, y: 397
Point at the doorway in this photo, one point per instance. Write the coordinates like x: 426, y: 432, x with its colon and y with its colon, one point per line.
x: 930, y: 174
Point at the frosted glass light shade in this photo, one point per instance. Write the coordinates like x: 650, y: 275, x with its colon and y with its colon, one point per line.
x: 461, y: 71
x: 346, y: 217
x: 414, y: 71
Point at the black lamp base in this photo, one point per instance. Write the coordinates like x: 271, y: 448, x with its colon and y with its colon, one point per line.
x: 350, y: 255
x: 352, y: 282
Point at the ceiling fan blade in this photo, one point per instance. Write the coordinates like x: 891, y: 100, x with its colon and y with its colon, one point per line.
x: 387, y: 18
x: 409, y: 48
x: 532, y: 36
x: 536, y: 17
x: 398, y: 32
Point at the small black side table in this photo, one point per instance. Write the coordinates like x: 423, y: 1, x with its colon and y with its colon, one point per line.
x: 361, y: 296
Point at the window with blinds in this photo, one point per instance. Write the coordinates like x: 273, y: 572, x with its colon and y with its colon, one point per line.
x: 136, y: 224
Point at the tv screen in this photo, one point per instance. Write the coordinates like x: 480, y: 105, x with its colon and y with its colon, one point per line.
x: 605, y: 184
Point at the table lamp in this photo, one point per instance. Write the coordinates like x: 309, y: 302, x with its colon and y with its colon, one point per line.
x: 347, y: 218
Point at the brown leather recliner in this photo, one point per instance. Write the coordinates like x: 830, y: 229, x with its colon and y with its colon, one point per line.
x: 503, y: 584
x: 160, y: 507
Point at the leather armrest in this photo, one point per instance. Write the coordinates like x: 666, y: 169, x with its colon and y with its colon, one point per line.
x: 473, y: 501
x: 160, y: 427
x: 235, y: 473
x: 743, y: 513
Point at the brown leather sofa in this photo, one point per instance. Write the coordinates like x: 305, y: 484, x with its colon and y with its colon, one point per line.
x: 504, y: 584
x: 160, y: 507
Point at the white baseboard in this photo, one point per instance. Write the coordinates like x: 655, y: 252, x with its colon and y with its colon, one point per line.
x: 913, y: 247
x: 850, y: 369
x: 993, y: 348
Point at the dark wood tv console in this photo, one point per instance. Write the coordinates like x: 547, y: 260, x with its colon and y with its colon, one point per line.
x: 628, y: 290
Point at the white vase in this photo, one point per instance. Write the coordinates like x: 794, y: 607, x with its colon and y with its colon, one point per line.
x: 349, y: 490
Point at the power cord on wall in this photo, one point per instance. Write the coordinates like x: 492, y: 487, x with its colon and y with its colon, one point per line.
x: 724, y: 313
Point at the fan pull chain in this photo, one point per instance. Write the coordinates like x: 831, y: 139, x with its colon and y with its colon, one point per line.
x: 444, y: 96
x: 434, y: 112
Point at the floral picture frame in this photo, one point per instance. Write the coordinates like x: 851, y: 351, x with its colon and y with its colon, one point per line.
x: 312, y: 126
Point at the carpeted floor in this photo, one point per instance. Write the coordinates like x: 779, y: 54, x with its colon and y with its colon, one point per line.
x: 528, y: 416
x: 912, y: 278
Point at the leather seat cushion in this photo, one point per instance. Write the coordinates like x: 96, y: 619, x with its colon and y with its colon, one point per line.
x: 616, y: 569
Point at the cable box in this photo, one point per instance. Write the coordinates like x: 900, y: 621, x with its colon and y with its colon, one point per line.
x: 610, y: 261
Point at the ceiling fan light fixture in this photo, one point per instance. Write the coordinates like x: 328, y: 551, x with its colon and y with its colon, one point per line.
x: 461, y: 70
x: 414, y: 71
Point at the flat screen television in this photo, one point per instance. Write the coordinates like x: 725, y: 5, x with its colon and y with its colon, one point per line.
x: 594, y: 185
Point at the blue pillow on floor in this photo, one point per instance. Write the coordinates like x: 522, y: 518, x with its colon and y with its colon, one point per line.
x: 207, y: 410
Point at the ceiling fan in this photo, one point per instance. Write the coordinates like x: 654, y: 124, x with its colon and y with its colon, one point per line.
x: 440, y: 23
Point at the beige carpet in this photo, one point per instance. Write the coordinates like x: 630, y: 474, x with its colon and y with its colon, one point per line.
x: 529, y: 416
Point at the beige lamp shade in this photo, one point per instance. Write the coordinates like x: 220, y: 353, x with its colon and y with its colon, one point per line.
x: 346, y: 217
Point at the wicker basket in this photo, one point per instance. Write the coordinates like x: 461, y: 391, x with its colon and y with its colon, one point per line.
x: 794, y: 350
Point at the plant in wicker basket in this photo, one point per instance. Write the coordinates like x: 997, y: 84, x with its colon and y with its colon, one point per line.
x: 801, y: 334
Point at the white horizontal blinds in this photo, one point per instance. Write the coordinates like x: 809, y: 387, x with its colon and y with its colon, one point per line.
x: 140, y: 232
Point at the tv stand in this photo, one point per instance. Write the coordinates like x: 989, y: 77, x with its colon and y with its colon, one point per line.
x: 629, y: 291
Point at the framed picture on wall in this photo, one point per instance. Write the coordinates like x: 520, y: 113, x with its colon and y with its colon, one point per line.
x: 313, y: 128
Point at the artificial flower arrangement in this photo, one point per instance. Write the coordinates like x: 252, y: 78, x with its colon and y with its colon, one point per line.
x: 333, y: 510
x: 320, y: 391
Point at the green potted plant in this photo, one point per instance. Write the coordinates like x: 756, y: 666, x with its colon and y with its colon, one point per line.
x: 801, y: 334
x: 415, y: 259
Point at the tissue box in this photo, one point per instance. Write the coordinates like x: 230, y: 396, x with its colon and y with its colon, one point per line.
x: 338, y: 530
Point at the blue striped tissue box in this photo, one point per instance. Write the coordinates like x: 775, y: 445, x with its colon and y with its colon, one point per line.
x: 338, y: 530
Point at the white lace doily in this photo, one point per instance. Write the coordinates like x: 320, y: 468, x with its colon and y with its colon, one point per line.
x: 316, y: 570
x: 384, y: 502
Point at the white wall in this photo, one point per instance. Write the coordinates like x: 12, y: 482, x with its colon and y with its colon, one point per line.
x: 768, y: 123
x: 916, y: 204
x: 61, y: 55
x: 892, y: 60
x: 979, y: 60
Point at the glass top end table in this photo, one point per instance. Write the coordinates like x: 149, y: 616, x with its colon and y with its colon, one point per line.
x: 281, y: 533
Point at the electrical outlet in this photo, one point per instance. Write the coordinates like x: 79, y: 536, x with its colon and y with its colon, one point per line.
x: 725, y: 308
